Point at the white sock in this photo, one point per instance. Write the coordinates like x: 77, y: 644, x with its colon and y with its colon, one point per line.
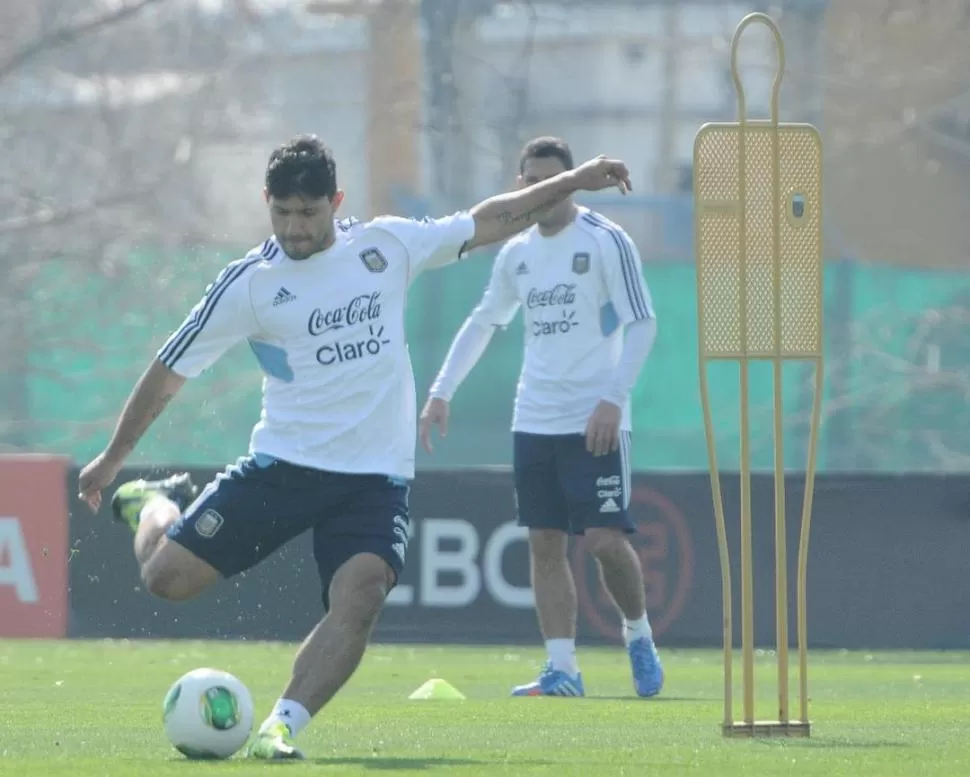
x: 637, y: 629
x: 290, y: 712
x: 562, y: 655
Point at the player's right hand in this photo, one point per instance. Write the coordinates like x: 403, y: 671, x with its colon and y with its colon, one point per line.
x: 435, y: 412
x: 97, y: 475
x: 602, y: 173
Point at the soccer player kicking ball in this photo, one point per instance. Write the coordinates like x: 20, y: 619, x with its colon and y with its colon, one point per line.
x: 321, y: 303
x: 589, y: 326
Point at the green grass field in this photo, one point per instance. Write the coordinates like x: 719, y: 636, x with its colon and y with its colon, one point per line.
x: 90, y: 709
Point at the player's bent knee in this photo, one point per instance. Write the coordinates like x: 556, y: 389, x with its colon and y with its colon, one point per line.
x: 166, y: 582
x: 175, y: 574
x: 548, y: 545
x: 605, y: 541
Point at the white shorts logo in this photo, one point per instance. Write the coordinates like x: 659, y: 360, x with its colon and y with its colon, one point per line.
x: 209, y: 523
x: 609, y: 488
x: 402, y: 530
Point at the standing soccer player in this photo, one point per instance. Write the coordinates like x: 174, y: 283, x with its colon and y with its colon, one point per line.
x: 590, y: 326
x: 321, y: 303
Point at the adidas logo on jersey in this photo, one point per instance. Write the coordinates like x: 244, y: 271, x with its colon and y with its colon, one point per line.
x: 610, y: 506
x: 521, y: 269
x: 282, y: 296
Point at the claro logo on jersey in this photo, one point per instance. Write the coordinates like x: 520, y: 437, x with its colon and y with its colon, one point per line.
x: 363, y: 309
x: 562, y: 296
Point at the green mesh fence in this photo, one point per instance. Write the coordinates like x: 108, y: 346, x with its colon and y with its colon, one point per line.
x: 896, y: 390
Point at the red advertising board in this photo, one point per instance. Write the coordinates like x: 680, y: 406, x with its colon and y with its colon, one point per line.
x: 33, y: 546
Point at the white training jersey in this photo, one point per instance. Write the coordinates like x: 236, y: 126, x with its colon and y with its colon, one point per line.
x: 328, y: 332
x: 577, y: 288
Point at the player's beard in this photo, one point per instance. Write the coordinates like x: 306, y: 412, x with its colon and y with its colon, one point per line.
x: 304, y: 249
x: 299, y: 250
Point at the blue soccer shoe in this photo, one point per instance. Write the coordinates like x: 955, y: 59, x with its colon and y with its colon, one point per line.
x: 648, y: 674
x: 552, y: 682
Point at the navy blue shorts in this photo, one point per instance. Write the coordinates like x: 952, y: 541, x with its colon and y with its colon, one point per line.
x: 261, y: 503
x: 561, y: 485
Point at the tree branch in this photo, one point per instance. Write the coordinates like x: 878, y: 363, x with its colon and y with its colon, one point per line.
x: 70, y: 33
x: 55, y: 218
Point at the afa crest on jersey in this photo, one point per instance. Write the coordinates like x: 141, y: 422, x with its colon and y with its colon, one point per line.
x: 373, y: 260
x: 581, y: 263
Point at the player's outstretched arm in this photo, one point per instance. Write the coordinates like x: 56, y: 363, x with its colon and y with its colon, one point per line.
x: 504, y: 215
x: 150, y: 396
x: 222, y: 318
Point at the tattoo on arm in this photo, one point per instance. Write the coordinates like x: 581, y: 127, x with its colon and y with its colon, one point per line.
x: 510, y: 218
x: 136, y: 420
x: 504, y: 215
x: 162, y: 404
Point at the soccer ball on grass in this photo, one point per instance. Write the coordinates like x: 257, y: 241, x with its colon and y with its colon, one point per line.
x: 208, y: 714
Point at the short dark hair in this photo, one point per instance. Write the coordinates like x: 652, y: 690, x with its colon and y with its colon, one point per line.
x: 303, y: 167
x: 545, y: 147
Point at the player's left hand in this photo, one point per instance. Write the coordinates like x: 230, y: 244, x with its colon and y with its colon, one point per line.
x: 603, y: 429
x: 603, y: 173
x: 435, y: 413
x: 97, y: 475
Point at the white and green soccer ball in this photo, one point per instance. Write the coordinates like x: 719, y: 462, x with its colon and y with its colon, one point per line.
x: 208, y: 714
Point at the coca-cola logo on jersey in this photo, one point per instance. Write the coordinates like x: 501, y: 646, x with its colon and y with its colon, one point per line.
x: 560, y: 294
x: 360, y: 310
